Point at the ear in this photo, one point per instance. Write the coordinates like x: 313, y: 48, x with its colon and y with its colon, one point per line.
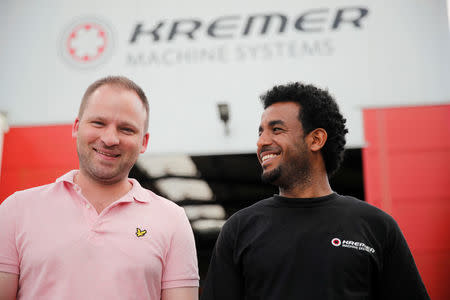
x: 317, y: 139
x: 75, y: 126
x: 145, y: 142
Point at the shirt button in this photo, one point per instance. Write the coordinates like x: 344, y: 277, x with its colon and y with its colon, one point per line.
x: 88, y: 206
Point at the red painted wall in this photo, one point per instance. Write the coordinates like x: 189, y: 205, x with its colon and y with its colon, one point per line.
x: 35, y: 156
x: 407, y: 173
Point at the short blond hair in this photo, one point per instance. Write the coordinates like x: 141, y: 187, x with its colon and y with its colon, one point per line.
x: 118, y: 81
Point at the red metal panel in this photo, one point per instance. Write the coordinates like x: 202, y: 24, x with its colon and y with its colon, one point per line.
x: 372, y: 181
x: 407, y: 173
x: 423, y: 174
x: 425, y: 225
x: 35, y: 156
x: 435, y: 271
x: 417, y: 128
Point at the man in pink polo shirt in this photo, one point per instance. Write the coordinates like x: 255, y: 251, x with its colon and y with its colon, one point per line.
x: 95, y: 233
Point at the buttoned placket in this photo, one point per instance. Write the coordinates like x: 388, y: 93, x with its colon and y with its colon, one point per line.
x: 92, y: 218
x: 95, y: 220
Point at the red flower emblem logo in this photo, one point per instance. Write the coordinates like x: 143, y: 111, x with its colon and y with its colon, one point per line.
x: 87, y: 43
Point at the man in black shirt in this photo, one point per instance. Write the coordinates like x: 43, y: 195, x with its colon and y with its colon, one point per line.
x: 308, y: 242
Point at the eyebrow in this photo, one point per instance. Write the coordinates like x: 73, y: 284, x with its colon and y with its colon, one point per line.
x: 272, y: 123
x: 128, y: 124
x: 121, y: 124
x: 95, y: 118
x: 276, y: 122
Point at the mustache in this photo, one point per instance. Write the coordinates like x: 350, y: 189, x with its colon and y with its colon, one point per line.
x: 268, y: 149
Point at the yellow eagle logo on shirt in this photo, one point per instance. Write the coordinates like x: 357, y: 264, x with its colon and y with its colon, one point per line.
x: 140, y: 232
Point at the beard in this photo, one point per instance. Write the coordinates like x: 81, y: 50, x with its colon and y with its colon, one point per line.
x: 100, y: 172
x: 294, y: 172
x: 272, y: 176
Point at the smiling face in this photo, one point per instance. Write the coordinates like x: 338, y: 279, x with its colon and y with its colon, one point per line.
x: 110, y: 134
x: 282, y: 150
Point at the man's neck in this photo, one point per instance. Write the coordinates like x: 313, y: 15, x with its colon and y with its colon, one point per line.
x: 316, y: 187
x: 99, y: 194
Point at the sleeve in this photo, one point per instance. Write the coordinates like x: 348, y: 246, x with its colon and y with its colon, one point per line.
x: 9, y: 257
x: 180, y: 267
x: 224, y: 280
x: 400, y: 278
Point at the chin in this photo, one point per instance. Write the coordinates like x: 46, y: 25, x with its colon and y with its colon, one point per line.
x: 271, y: 176
x: 106, y: 175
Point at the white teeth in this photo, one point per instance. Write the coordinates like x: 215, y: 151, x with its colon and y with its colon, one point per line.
x: 266, y: 157
x: 107, y: 154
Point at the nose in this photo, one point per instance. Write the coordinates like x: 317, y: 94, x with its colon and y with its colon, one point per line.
x: 110, y: 137
x: 263, y: 140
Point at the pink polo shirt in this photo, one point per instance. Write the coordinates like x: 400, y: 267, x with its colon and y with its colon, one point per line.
x: 62, y: 249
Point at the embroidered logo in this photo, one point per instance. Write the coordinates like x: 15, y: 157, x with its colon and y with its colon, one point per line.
x: 351, y: 244
x: 140, y: 232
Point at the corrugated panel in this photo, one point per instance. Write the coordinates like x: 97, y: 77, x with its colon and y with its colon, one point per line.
x: 407, y: 173
x: 35, y: 156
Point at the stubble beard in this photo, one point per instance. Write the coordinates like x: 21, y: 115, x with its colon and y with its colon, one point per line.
x: 292, y: 174
x: 98, y: 173
x: 271, y: 177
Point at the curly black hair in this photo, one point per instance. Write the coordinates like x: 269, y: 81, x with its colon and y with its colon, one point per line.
x: 318, y: 109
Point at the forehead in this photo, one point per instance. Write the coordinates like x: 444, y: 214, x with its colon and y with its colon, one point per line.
x: 287, y: 112
x: 115, y: 102
x: 110, y: 93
